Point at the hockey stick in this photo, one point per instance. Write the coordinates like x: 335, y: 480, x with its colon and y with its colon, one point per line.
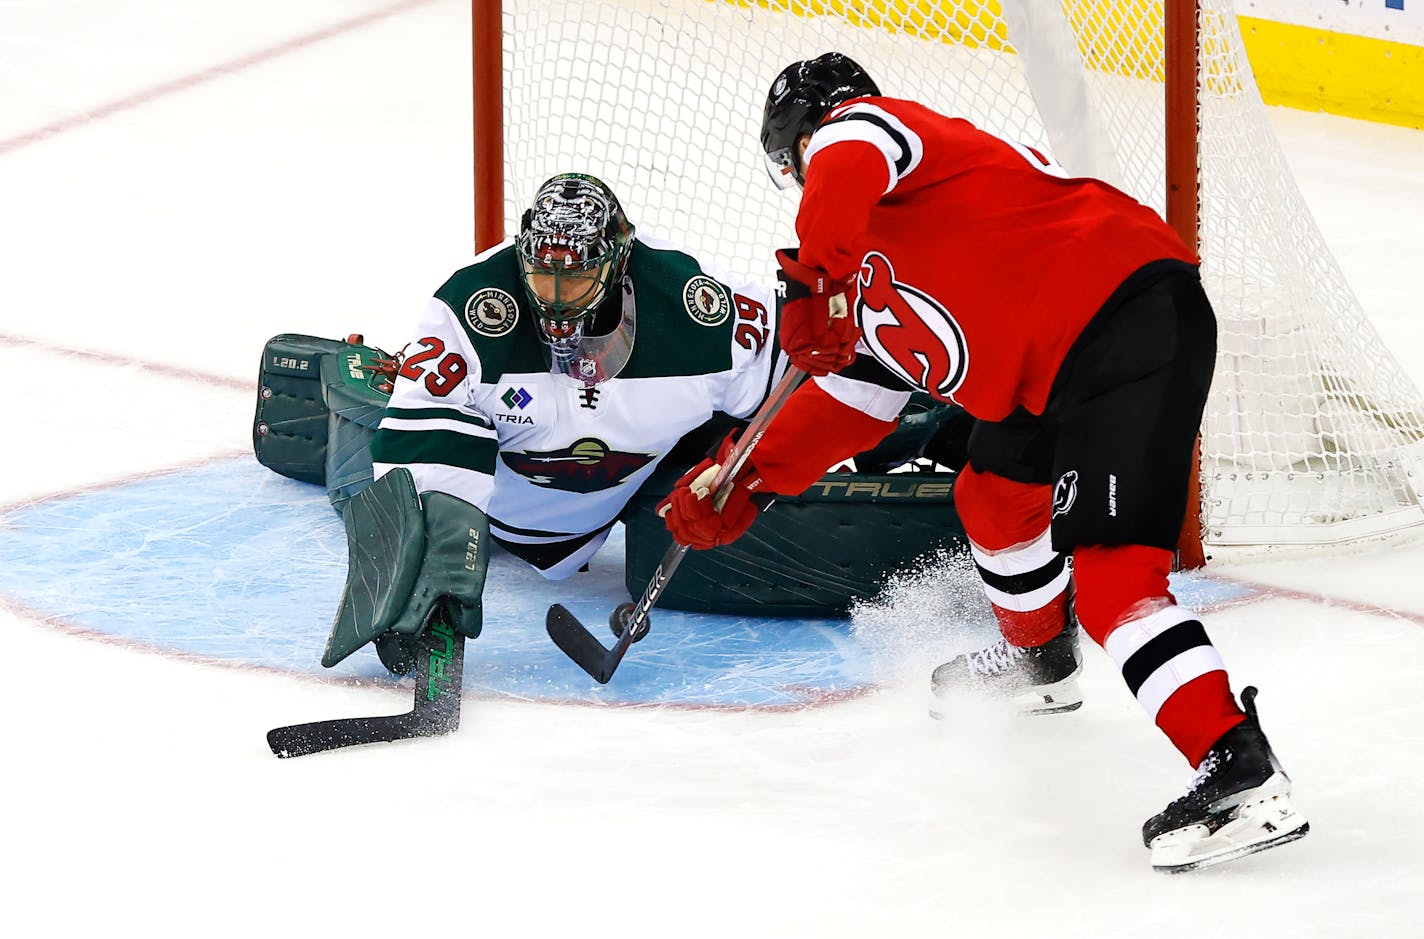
x: 630, y: 620
x: 440, y: 662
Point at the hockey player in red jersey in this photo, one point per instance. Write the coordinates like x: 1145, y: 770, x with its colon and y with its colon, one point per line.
x: 1070, y: 321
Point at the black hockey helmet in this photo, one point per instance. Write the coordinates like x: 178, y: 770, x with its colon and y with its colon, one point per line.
x: 799, y: 100
x: 573, y: 245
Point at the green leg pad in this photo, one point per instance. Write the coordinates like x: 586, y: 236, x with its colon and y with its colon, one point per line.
x: 453, y: 571
x: 385, y: 542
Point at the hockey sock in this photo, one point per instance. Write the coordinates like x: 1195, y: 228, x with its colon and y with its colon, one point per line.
x: 1113, y: 582
x: 1163, y: 650
x: 1025, y: 580
x: 1027, y: 586
x: 1198, y: 713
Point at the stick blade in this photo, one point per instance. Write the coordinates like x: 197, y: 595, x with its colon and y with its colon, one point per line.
x: 580, y: 645
x: 318, y: 736
x: 435, y: 711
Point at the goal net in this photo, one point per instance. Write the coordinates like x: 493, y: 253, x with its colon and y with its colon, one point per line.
x: 1313, y: 434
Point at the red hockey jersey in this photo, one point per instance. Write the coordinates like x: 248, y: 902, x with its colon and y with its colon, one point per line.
x: 980, y: 260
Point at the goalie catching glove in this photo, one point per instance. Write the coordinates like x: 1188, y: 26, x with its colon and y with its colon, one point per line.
x: 692, y: 511
x: 818, y: 333
x: 408, y: 563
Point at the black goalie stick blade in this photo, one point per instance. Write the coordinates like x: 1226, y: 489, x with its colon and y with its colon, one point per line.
x: 580, y: 645
x: 301, y: 739
x: 440, y: 662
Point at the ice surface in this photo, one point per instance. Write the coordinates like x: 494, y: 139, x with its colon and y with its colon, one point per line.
x: 150, y: 249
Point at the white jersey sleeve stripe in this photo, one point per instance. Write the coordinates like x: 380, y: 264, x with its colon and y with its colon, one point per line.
x: 883, y: 404
x: 901, y: 147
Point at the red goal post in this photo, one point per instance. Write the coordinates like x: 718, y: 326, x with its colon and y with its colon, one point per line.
x: 1313, y: 435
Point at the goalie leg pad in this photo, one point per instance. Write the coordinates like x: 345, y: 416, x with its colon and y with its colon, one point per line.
x: 385, y: 541
x: 406, y: 562
x: 452, y: 572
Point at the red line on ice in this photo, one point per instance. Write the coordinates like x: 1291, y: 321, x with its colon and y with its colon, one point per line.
x: 198, y: 78
x: 124, y: 361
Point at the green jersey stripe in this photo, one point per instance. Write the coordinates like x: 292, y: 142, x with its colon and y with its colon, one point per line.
x: 449, y: 414
x: 434, y: 446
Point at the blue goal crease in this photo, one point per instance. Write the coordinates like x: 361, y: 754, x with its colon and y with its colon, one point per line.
x: 232, y: 562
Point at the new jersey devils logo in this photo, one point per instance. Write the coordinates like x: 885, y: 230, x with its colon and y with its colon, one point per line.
x: 909, y: 331
x: 1065, y: 493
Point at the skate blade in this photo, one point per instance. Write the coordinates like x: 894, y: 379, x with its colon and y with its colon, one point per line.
x: 1255, y: 825
x: 1047, y: 699
x: 1050, y: 699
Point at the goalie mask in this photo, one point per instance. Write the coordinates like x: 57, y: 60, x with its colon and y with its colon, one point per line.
x: 573, y: 248
x: 800, y: 98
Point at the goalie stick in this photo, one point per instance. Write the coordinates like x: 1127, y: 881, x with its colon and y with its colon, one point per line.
x: 440, y: 661
x: 630, y: 620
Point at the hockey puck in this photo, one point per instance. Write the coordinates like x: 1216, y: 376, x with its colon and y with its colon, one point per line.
x: 620, y: 617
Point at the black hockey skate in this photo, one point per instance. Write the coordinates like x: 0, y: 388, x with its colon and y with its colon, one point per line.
x: 1035, y: 680
x: 1238, y: 804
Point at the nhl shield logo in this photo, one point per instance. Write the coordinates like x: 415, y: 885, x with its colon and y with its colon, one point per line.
x: 706, y: 301
x: 1065, y: 493
x: 491, y: 312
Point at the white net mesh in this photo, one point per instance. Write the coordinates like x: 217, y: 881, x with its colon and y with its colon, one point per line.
x: 1312, y: 434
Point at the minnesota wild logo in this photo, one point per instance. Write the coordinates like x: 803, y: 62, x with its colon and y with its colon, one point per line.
x: 491, y: 312
x: 706, y: 301
x: 586, y: 465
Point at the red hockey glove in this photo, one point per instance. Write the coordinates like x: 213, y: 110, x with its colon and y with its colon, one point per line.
x: 817, y: 330
x: 689, y: 510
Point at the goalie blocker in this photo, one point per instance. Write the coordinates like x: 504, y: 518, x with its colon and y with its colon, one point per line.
x: 816, y: 554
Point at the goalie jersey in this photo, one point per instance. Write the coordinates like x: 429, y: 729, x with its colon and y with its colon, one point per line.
x: 477, y: 413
